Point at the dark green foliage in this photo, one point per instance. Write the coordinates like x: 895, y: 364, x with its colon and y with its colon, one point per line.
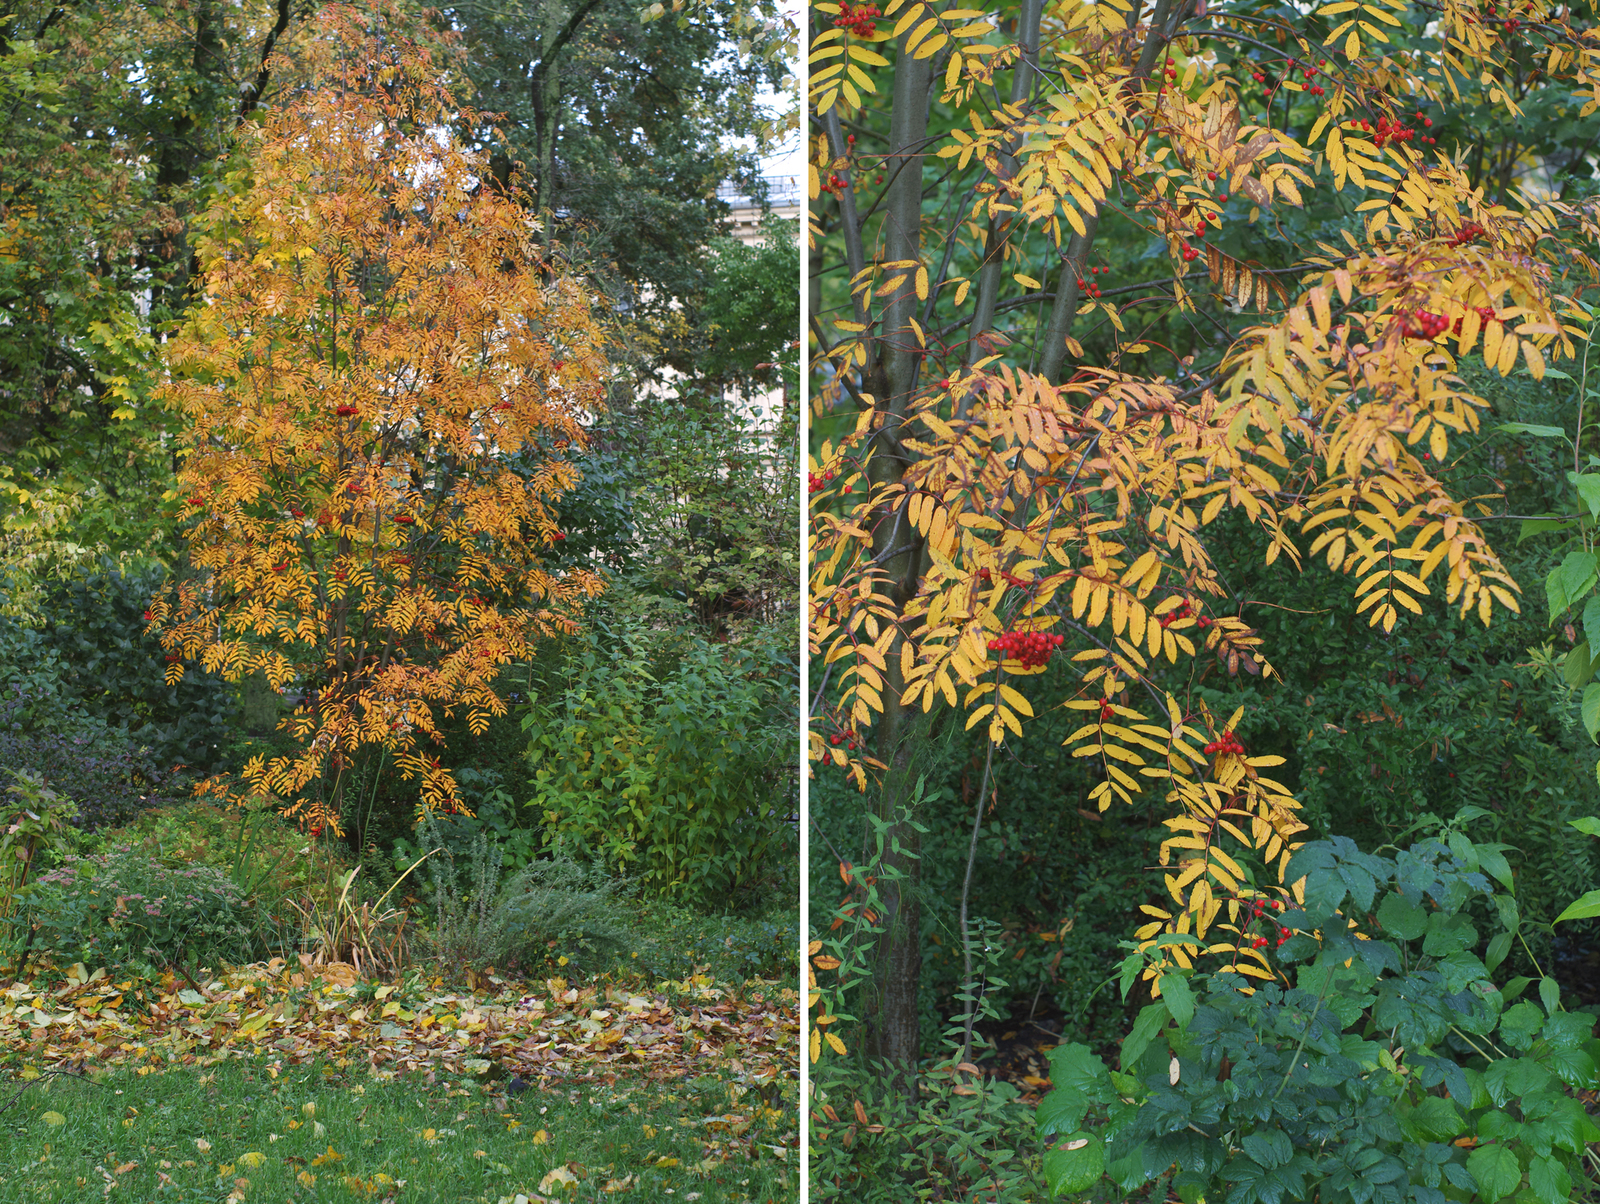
x: 548, y: 910
x: 626, y: 136
x: 668, y: 757
x: 1352, y: 1078
x: 751, y: 313
x: 128, y: 908
x: 110, y: 668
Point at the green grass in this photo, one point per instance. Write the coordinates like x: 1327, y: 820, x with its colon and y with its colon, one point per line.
x: 260, y: 1130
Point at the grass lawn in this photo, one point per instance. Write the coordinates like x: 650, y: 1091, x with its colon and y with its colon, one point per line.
x: 260, y: 1129
x: 279, y: 1083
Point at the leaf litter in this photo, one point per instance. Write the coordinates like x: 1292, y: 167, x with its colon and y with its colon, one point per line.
x: 522, y: 1033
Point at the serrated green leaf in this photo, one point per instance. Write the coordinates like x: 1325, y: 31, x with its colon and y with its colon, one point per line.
x: 1548, y: 1180
x: 1180, y: 999
x: 1401, y: 917
x: 1496, y: 1170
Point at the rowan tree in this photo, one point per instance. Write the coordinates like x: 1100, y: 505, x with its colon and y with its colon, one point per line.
x: 378, y: 388
x: 1085, y: 279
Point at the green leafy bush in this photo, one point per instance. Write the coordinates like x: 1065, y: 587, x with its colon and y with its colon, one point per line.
x: 264, y: 856
x: 1384, y: 1065
x: 127, y: 907
x: 668, y: 758
x: 109, y: 667
x: 34, y: 829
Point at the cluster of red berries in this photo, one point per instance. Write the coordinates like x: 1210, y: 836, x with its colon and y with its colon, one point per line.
x: 1189, y: 253
x: 1172, y: 616
x: 346, y: 411
x: 1261, y: 942
x: 1485, y: 314
x: 1091, y: 289
x: 1265, y: 907
x: 1032, y: 648
x: 1316, y: 89
x: 1422, y: 325
x: 1469, y: 232
x: 858, y: 20
x: 834, y: 185
x: 196, y: 501
x: 1106, y: 709
x: 1225, y: 743
x: 848, y: 739
x: 405, y: 520
x: 817, y: 480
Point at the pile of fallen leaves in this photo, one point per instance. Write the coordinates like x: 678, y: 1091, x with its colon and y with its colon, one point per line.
x: 539, y: 1032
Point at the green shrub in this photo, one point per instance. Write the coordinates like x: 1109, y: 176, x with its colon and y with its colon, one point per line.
x: 1362, y: 1071
x: 126, y: 907
x: 668, y: 758
x: 878, y: 1139
x: 547, y: 911
x: 109, y: 667
x: 264, y: 856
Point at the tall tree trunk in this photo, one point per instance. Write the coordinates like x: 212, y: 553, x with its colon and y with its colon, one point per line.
x: 893, y: 1030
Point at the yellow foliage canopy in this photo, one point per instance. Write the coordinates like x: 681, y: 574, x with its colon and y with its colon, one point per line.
x: 379, y: 386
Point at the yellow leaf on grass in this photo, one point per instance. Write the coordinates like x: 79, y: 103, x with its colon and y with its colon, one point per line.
x: 541, y: 1137
x: 54, y: 1118
x: 560, y: 1179
x: 252, y: 1159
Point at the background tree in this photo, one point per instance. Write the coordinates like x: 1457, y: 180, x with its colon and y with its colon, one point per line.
x: 381, y: 336
x: 1312, y: 263
x: 624, y: 131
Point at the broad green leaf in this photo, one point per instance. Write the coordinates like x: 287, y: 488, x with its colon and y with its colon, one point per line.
x: 1499, y: 946
x: 1080, y: 1081
x: 1548, y: 1180
x: 1577, y: 668
x: 1569, y: 582
x: 1180, y: 999
x: 1538, y: 526
x: 1435, y: 1118
x: 1271, y: 1148
x: 1588, y: 486
x: 1401, y: 917
x: 1591, y: 710
x: 1492, y: 860
x: 1588, y: 825
x: 1152, y: 1019
x: 1497, y: 1171
x: 1529, y: 428
x: 1585, y: 908
x: 1076, y: 1164
x: 1550, y: 995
